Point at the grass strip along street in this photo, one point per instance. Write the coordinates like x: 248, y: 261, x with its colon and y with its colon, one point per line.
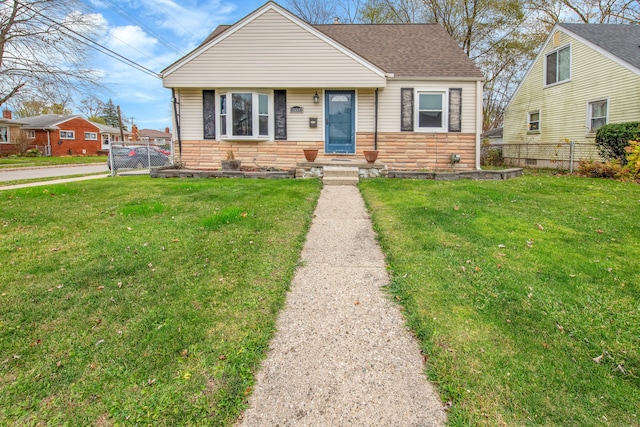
x: 524, y: 294
x: 18, y: 162
x: 134, y: 301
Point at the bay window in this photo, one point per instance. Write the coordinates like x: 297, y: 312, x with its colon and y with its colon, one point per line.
x: 245, y: 115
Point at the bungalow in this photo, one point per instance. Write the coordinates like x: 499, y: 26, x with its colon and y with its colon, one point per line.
x: 271, y: 85
x: 63, y: 135
x: 585, y: 76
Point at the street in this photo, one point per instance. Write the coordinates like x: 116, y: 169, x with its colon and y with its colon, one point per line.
x: 14, y: 174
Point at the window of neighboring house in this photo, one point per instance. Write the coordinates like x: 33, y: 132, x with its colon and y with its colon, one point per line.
x: 245, y: 115
x: 558, y: 65
x: 105, y: 139
x: 31, y: 134
x: 4, y: 134
x: 91, y: 136
x: 67, y: 134
x: 431, y: 114
x: 597, y: 114
x: 534, y: 121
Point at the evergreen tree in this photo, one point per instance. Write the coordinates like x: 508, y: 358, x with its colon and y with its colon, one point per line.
x: 110, y: 114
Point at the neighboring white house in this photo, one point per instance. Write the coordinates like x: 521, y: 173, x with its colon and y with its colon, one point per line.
x: 271, y: 85
x: 585, y: 76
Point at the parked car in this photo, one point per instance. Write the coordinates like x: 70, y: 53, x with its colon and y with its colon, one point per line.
x: 137, y: 157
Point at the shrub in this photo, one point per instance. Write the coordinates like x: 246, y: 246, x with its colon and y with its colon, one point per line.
x: 612, y: 139
x: 593, y: 169
x: 633, y: 159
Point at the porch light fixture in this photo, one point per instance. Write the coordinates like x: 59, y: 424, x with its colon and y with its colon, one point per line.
x: 316, y: 98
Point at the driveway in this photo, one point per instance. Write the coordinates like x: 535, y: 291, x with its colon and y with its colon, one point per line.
x: 14, y: 174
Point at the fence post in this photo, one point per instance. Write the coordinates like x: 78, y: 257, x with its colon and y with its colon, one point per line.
x: 571, y: 155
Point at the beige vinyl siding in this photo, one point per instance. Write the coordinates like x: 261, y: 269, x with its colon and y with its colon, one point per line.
x: 389, y: 103
x: 191, y: 121
x: 563, y: 107
x: 365, y: 122
x: 298, y: 123
x: 272, y: 51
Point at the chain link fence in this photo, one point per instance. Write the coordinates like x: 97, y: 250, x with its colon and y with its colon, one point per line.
x: 140, y: 156
x: 562, y: 155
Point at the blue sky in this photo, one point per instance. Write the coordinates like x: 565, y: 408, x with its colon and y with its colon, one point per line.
x: 153, y: 33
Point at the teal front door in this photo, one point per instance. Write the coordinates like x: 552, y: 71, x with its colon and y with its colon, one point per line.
x: 340, y: 124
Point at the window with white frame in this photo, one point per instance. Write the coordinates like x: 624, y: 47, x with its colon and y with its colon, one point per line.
x: 245, y: 115
x: 91, y: 136
x: 596, y: 114
x: 67, y: 134
x: 31, y: 134
x: 4, y: 134
x: 431, y: 112
x: 558, y: 66
x: 534, y: 121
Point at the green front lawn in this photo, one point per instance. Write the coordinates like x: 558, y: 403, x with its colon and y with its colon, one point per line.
x: 19, y: 162
x: 131, y: 301
x: 524, y: 294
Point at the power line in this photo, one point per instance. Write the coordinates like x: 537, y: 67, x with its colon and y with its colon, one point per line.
x: 132, y: 18
x: 94, y: 44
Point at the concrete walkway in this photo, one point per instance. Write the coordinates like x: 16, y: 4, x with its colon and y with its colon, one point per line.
x: 342, y: 355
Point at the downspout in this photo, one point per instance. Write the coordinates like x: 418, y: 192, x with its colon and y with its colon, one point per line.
x: 479, y: 116
x: 177, y: 120
x: 375, y: 127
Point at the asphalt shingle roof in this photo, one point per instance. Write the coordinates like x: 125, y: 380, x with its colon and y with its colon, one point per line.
x: 621, y: 40
x: 46, y: 121
x: 406, y: 50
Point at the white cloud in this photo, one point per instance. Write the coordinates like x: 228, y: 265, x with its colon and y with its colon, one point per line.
x: 131, y: 41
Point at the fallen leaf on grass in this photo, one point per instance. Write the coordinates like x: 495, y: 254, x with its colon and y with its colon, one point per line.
x: 560, y: 327
x: 599, y: 231
x: 598, y: 359
x: 175, y: 240
x: 502, y: 246
x: 35, y: 343
x: 55, y: 249
x: 100, y: 288
x: 222, y: 357
x: 243, y: 214
x: 540, y: 227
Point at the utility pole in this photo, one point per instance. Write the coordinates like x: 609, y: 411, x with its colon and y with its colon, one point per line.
x: 120, y: 123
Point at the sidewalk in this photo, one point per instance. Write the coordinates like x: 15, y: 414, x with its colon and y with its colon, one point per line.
x: 51, y: 181
x: 342, y: 354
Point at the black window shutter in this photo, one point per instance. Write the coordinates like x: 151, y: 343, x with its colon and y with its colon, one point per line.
x: 406, y: 109
x: 280, y: 111
x: 455, y: 110
x: 209, y: 113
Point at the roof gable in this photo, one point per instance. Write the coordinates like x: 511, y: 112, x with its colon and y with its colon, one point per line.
x: 613, y: 39
x: 386, y: 50
x: 619, y: 40
x: 223, y: 33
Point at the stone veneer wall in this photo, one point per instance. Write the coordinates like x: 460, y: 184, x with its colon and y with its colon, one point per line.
x: 398, y: 150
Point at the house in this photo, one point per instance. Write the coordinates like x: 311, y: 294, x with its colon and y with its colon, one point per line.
x: 584, y: 76
x: 63, y: 135
x: 156, y: 137
x: 12, y: 140
x: 271, y: 85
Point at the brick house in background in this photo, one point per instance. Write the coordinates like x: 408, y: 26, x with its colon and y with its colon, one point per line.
x: 63, y: 135
x: 153, y: 136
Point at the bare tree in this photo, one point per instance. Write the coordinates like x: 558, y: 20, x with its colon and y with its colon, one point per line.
x: 325, y: 11
x: 587, y: 11
x: 91, y: 106
x: 43, y: 45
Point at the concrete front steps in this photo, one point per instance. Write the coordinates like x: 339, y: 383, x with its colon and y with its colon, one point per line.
x: 340, y: 175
